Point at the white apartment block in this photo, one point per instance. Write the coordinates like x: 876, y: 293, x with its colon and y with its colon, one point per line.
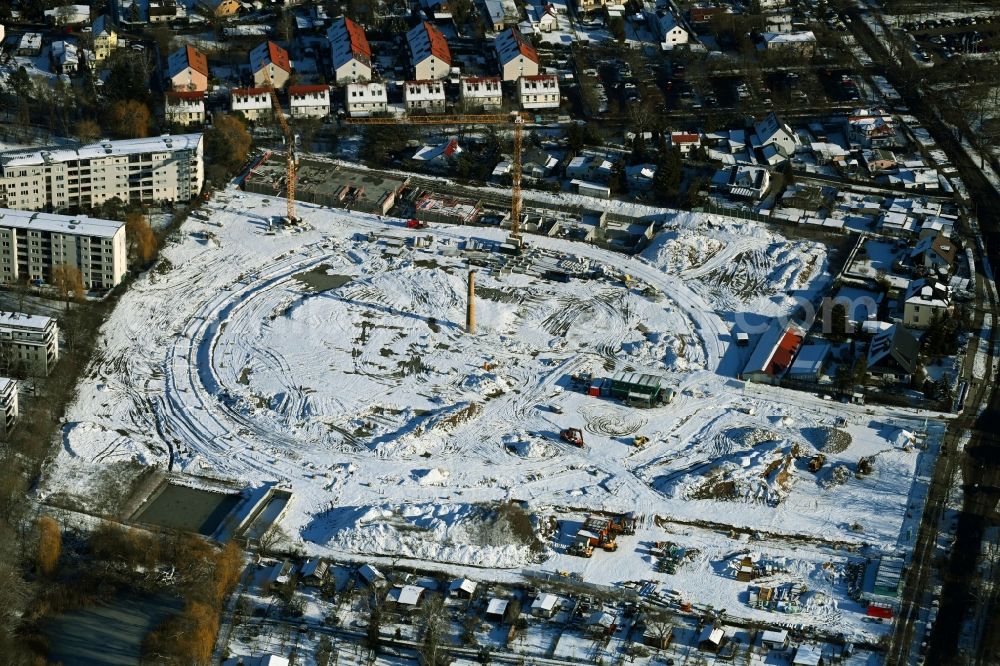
x: 482, y: 91
x: 424, y: 95
x: 31, y: 244
x: 185, y: 108
x: 162, y: 168
x: 8, y: 405
x: 253, y: 103
x: 309, y: 101
x: 365, y: 99
x: 538, y: 92
x: 30, y: 342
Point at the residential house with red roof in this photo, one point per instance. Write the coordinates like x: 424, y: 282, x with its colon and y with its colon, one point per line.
x: 185, y: 107
x: 187, y: 69
x: 426, y: 96
x: 254, y: 103
x: 774, y: 353
x: 516, y: 56
x: 540, y: 91
x: 483, y: 92
x: 429, y: 52
x: 269, y: 63
x: 351, y: 54
x: 309, y: 101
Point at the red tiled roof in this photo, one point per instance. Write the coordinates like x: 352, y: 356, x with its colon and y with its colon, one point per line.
x: 196, y: 60
x: 249, y: 91
x: 358, y: 39
x: 278, y: 56
x: 194, y: 95
x: 682, y: 137
x: 783, y: 354
x: 526, y: 49
x: 439, y: 45
x: 305, y: 90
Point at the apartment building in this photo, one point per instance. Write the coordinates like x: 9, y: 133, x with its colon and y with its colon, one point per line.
x: 427, y: 96
x: 254, y: 103
x: 365, y: 99
x: 31, y: 244
x: 8, y: 406
x: 350, y: 51
x: 482, y: 91
x: 30, y: 342
x: 162, y: 168
x: 538, y: 92
x: 185, y: 108
x: 309, y: 101
x: 429, y: 52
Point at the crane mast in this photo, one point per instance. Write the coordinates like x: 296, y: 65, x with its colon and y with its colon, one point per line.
x: 290, y: 141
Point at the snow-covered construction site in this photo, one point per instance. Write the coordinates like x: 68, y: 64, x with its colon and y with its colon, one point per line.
x: 332, y: 361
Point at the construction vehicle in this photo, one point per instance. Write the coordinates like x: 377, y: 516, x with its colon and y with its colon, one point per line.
x: 609, y: 545
x: 623, y: 523
x: 572, y: 436
x: 581, y: 550
x: 514, y: 240
x: 816, y: 462
x: 414, y: 223
x: 640, y: 440
x: 293, y: 165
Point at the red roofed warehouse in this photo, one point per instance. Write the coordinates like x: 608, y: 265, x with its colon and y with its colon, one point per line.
x: 773, y: 354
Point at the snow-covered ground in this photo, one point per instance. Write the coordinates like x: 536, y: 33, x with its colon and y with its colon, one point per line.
x: 396, y: 429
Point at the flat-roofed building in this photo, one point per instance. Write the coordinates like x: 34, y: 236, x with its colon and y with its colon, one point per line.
x: 169, y: 167
x: 29, y: 342
x: 32, y: 244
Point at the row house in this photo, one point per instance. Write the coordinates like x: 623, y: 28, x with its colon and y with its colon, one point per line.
x: 424, y: 95
x: 185, y: 107
x: 538, y: 92
x: 254, y: 103
x: 365, y: 99
x: 481, y: 92
x: 309, y: 101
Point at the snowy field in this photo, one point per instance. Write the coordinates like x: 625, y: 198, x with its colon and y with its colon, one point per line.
x: 320, y: 360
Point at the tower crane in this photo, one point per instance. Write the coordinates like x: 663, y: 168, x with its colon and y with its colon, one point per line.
x: 279, y: 114
x: 515, y: 117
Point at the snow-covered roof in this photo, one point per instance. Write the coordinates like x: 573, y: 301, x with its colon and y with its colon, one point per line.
x: 810, y: 359
x: 443, y: 150
x: 807, y: 655
x: 711, y: 634
x: 426, y: 40
x: 463, y: 584
x: 497, y: 607
x: 80, y: 225
x: 20, y: 320
x: 545, y: 602
x: 409, y: 595
x: 774, y: 637
x: 314, y: 566
x: 41, y: 156
x: 370, y: 573
x: 785, y: 38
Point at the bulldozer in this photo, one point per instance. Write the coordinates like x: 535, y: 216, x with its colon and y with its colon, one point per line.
x: 610, y: 545
x: 572, y: 436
